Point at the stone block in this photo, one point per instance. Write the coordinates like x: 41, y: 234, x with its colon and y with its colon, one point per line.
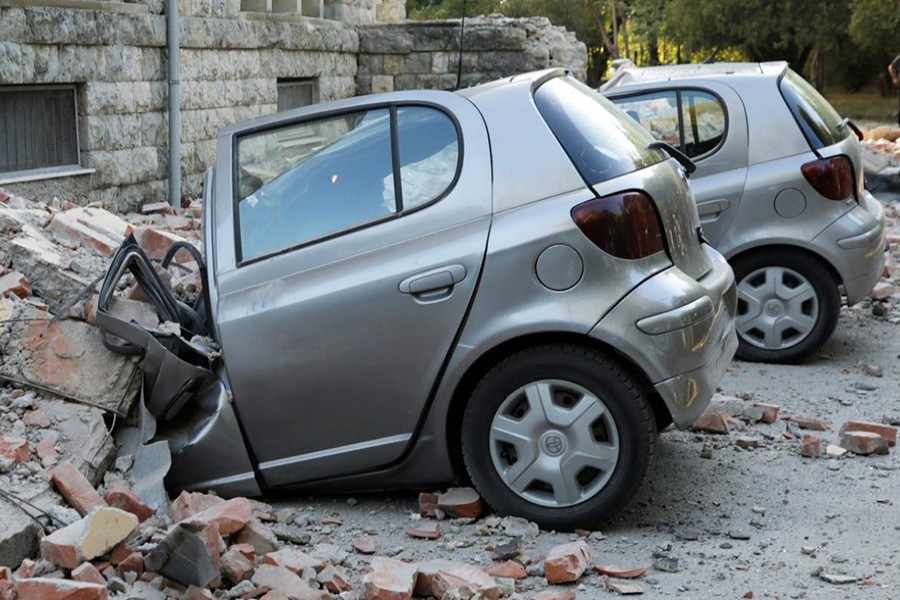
x: 110, y: 132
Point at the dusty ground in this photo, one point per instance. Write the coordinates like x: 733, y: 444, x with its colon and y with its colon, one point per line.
x: 801, y: 515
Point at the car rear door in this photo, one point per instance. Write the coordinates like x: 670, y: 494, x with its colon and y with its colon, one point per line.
x: 705, y: 120
x: 339, y: 299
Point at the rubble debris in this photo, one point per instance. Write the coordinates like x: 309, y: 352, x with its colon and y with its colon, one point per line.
x: 390, y: 579
x: 873, y: 370
x: 425, y: 530
x: 459, y: 575
x: 667, y: 564
x: 40, y: 588
x: 834, y: 451
x: 259, y: 536
x: 810, y: 424
x: 123, y: 498
x: 92, y: 536
x: 428, y: 504
x: 182, y: 557
x: 886, y: 431
x: 462, y: 503
x: 811, y: 446
x: 87, y: 573
x: 711, y: 423
x: 76, y: 489
x: 364, y: 545
x: 509, y: 569
x: 14, y: 449
x: 837, y: 578
x: 625, y: 588
x: 864, y: 443
x: 567, y: 562
x: 746, y: 442
x: 770, y: 412
x: 552, y: 595
x: 14, y: 282
x: 286, y: 582
x: 619, y: 573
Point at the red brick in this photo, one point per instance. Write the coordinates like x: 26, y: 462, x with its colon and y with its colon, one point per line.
x: 15, y: 283
x: 552, y: 595
x: 121, y: 497
x: 195, y: 593
x: 622, y: 587
x: 427, y: 530
x: 14, y: 449
x: 293, y: 560
x: 42, y: 588
x: 77, y: 490
x: 247, y: 550
x: 567, y: 562
x: 230, y: 516
x: 94, y: 535
x: 141, y: 313
x: 460, y: 502
x: 886, y: 431
x: 158, y: 208
x: 364, y: 545
x: 133, y: 564
x: 188, y: 504
x: 213, y: 541
x: 461, y: 575
x: 427, y: 571
x: 770, y: 412
x: 37, y: 418
x: 864, y: 442
x: 156, y: 242
x: 811, y: 424
x: 427, y: 504
x: 509, y: 569
x: 620, y: 573
x: 279, y: 578
x: 93, y: 227
x: 389, y: 579
x: 711, y: 423
x: 236, y: 566
x: 88, y: 573
x: 26, y: 570
x: 811, y: 446
x: 334, y: 578
x: 746, y: 442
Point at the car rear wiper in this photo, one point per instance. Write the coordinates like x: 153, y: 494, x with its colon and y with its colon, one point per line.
x: 686, y: 162
x: 856, y: 130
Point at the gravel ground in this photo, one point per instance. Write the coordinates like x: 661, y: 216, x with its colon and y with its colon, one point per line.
x: 765, y: 521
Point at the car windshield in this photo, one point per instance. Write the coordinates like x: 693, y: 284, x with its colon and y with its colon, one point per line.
x: 815, y: 116
x: 602, y: 141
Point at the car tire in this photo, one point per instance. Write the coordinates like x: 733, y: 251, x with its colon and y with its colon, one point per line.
x: 788, y: 306
x: 588, y: 443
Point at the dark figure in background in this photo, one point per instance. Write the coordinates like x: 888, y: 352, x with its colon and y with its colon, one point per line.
x: 894, y: 70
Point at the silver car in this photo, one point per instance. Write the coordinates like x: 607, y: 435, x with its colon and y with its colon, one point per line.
x: 506, y: 283
x: 779, y: 188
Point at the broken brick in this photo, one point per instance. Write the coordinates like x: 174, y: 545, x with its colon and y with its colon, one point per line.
x: 88, y: 538
x: 26, y: 569
x: 156, y: 242
x: 188, y: 504
x: 123, y: 498
x: 236, y: 566
x: 427, y: 570
x: 36, y: 418
x: 283, y: 580
x: 567, y: 562
x: 92, y: 227
x: 746, y: 442
x: 711, y: 423
x: 43, y: 588
x: 426, y: 530
x: 159, y: 208
x: 134, y: 563
x: 14, y: 449
x: 509, y: 569
x: 427, y: 504
x: 882, y: 291
x: 811, y: 424
x: 88, y: 573
x: 182, y: 557
x: 196, y: 593
x: 460, y: 575
x: 15, y: 283
x: 76, y: 489
x: 552, y: 595
x: 142, y: 313
x: 293, y: 560
x: 334, y: 578
x: 230, y: 516
x: 462, y: 503
x: 864, y: 442
x: 260, y: 536
x: 770, y: 412
x: 619, y: 573
x: 624, y: 588
x: 886, y: 431
x: 364, y: 545
x: 389, y: 579
x: 811, y: 446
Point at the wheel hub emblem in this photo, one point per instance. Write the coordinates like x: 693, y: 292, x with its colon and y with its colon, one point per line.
x: 554, y: 444
x: 774, y: 308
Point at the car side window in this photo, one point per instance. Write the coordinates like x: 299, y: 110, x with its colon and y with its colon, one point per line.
x: 303, y: 182
x: 657, y: 112
x: 704, y: 122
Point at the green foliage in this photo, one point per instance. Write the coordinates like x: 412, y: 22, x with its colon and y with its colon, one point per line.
x: 875, y: 26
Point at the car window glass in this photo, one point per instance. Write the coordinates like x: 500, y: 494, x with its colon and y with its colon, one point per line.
x: 601, y: 140
x: 704, y: 122
x: 303, y: 182
x: 816, y: 117
x: 657, y: 112
x: 429, y: 155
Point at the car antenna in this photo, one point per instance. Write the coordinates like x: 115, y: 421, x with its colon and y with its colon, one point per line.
x: 462, y: 37
x: 712, y: 57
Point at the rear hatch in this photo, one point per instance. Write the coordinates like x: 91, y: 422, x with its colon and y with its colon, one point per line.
x: 826, y: 132
x: 613, y: 154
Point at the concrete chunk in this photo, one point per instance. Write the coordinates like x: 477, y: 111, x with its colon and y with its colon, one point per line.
x: 88, y: 538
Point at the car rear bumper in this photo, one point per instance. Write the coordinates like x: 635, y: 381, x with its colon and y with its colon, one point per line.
x: 680, y: 332
x: 855, y: 244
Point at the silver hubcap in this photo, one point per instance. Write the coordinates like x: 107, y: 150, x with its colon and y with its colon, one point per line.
x: 554, y: 443
x: 777, y: 308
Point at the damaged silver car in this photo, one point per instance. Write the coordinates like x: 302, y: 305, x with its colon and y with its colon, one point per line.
x: 506, y: 284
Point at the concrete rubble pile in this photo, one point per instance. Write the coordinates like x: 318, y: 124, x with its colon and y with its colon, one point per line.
x: 881, y: 158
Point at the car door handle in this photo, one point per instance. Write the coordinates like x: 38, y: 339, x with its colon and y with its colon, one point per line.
x: 714, y: 207
x: 433, y: 280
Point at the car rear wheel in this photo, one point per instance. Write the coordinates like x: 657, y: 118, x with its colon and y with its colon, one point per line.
x: 560, y: 435
x: 788, y: 306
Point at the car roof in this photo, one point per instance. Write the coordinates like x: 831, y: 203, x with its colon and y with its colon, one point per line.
x: 631, y: 75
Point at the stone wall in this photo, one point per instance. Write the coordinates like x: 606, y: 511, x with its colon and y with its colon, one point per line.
x: 231, y: 63
x: 424, y: 54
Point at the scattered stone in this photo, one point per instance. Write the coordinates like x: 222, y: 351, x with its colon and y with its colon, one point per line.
x: 811, y: 424
x: 811, y: 446
x: 88, y: 573
x: 711, y: 423
x: 667, y: 564
x: 461, y: 503
x: 754, y: 414
x: 260, y: 536
x: 427, y: 570
x: 746, y: 442
x: 293, y: 560
x: 14, y: 449
x: 509, y: 569
x: 567, y: 562
x: 625, y: 588
x: 836, y: 578
x: 864, y: 443
x: 738, y: 535
x: 390, y: 580
x: 886, y: 431
x: 236, y: 565
x: 873, y: 370
x: 833, y: 451
x: 231, y: 516
x: 188, y: 504
x: 458, y: 576
x: 770, y: 412
x: 509, y: 550
x: 364, y: 545
x: 183, y: 557
x: 95, y: 534
x: 334, y: 578
x: 426, y: 530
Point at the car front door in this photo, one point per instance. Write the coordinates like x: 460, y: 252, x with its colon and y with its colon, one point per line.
x: 708, y: 124
x: 349, y: 247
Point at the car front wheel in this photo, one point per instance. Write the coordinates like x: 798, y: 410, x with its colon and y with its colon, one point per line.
x: 560, y: 435
x: 788, y: 306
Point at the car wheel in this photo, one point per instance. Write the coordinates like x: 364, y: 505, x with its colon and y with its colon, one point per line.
x: 788, y: 306
x: 560, y: 435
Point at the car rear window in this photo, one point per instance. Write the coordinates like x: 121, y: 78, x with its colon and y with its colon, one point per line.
x: 601, y: 140
x: 817, y: 119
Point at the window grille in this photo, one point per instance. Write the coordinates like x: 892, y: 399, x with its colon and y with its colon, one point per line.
x: 38, y: 128
x: 296, y: 93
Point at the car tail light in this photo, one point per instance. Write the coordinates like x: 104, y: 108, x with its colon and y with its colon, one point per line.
x: 831, y: 177
x: 624, y: 225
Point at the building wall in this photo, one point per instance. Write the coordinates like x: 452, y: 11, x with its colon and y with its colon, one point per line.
x: 115, y: 55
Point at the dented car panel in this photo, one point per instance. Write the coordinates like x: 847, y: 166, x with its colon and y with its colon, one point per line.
x: 328, y: 353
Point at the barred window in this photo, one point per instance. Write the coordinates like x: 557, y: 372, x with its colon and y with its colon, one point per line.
x: 296, y: 93
x: 38, y: 128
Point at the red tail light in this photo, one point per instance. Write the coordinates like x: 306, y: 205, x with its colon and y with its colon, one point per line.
x: 831, y: 177
x: 625, y: 225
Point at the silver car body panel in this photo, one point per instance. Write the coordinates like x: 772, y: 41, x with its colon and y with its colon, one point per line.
x: 737, y: 205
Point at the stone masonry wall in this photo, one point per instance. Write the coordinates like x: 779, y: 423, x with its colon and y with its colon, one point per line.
x: 424, y: 54
x: 231, y: 62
